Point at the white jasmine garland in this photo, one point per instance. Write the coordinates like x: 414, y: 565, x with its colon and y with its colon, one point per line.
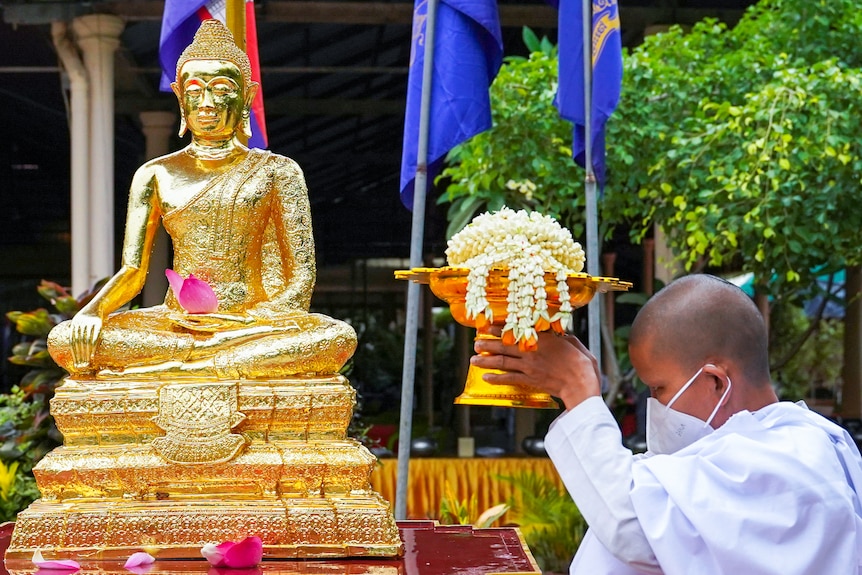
x: 527, y: 244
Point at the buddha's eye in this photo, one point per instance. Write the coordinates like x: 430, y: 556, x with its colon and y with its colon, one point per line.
x: 222, y: 90
x: 221, y: 87
x: 194, y: 91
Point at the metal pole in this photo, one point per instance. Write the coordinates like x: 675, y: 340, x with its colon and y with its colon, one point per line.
x: 594, y: 307
x: 416, y: 241
x: 235, y: 22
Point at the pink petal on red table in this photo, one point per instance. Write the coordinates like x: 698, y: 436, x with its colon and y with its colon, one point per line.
x: 247, y: 553
x: 138, y: 559
x: 197, y: 296
x: 213, y: 554
x: 57, y: 564
x: 176, y: 281
x: 229, y: 571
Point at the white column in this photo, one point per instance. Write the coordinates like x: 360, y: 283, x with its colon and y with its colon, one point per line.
x: 79, y: 130
x: 98, y: 36
x: 157, y: 128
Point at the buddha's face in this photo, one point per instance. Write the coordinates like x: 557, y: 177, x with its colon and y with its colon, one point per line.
x: 212, y: 97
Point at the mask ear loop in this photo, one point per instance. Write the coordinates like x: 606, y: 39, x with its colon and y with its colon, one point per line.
x: 720, y: 402
x: 685, y: 386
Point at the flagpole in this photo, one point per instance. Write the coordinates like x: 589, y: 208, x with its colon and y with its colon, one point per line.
x: 594, y: 307
x: 408, y: 374
x: 235, y: 21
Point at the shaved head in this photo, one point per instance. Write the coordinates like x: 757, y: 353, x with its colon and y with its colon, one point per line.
x: 701, y: 318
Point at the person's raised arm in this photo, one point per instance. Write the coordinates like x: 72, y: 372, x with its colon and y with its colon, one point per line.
x: 585, y: 443
x: 142, y: 221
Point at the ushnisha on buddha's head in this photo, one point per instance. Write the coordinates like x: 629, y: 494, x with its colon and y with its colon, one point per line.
x: 213, y: 85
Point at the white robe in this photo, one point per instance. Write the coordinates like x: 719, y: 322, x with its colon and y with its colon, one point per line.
x: 775, y: 492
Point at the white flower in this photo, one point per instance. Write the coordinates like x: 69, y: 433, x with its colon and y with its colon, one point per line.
x: 528, y: 245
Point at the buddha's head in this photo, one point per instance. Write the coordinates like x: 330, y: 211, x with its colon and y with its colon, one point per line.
x: 213, y: 85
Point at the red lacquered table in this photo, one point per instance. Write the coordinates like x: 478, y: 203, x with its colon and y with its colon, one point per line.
x: 430, y: 549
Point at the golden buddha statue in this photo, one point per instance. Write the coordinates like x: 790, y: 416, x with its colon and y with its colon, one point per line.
x: 180, y: 428
x: 240, y: 220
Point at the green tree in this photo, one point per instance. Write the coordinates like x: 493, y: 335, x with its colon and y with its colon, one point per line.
x: 743, y: 144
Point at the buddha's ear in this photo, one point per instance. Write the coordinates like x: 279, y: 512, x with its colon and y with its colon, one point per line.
x: 176, y: 88
x: 250, y: 93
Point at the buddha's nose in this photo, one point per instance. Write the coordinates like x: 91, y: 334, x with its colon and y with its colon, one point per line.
x: 207, y: 101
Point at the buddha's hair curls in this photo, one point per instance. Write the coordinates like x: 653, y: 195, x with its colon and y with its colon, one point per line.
x: 213, y: 41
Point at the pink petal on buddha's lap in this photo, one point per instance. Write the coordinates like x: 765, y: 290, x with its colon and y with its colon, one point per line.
x: 138, y: 559
x: 55, y: 565
x: 247, y: 553
x: 176, y: 281
x: 197, y: 296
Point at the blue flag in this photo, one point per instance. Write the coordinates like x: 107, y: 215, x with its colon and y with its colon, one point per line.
x: 607, y: 74
x: 467, y: 56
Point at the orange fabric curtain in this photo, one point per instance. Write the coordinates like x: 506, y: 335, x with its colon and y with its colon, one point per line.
x: 428, y: 478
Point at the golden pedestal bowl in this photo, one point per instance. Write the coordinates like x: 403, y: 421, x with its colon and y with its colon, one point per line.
x: 450, y: 285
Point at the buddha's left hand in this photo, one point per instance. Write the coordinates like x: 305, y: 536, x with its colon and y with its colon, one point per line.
x: 86, y: 328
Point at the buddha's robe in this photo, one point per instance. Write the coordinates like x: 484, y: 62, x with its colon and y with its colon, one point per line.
x: 772, y: 492
x: 248, y: 234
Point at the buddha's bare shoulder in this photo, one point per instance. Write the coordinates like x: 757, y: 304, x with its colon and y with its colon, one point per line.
x: 167, y: 164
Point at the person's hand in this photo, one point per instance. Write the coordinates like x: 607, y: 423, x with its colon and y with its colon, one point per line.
x: 85, y: 334
x: 560, y: 366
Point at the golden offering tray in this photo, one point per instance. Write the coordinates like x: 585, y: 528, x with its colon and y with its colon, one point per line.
x: 450, y: 285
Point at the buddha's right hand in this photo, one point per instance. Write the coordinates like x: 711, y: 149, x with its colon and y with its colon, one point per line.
x: 85, y: 334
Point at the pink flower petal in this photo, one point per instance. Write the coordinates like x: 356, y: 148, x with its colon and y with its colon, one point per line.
x: 139, y: 558
x: 59, y: 564
x: 176, y: 281
x: 196, y: 296
x: 229, y: 571
x: 213, y: 554
x: 247, y: 553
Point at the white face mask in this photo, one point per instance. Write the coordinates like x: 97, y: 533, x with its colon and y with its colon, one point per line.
x: 669, y: 430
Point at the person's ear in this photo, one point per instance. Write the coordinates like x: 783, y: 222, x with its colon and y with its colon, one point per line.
x: 718, y: 375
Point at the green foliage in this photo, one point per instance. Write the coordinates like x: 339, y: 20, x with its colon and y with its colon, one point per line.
x: 17, y: 490
x: 27, y: 430
x: 454, y: 511
x: 816, y: 364
x: 524, y: 161
x: 743, y: 143
x: 550, y: 521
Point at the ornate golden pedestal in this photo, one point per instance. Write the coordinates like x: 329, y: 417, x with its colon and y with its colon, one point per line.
x: 168, y: 466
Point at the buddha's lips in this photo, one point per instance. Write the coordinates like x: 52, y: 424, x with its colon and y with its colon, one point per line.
x: 207, y: 117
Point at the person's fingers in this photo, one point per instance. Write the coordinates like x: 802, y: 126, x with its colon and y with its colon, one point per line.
x: 495, y: 361
x: 505, y: 378
x: 495, y: 346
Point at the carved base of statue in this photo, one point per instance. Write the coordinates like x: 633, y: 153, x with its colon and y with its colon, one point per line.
x: 169, y: 466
